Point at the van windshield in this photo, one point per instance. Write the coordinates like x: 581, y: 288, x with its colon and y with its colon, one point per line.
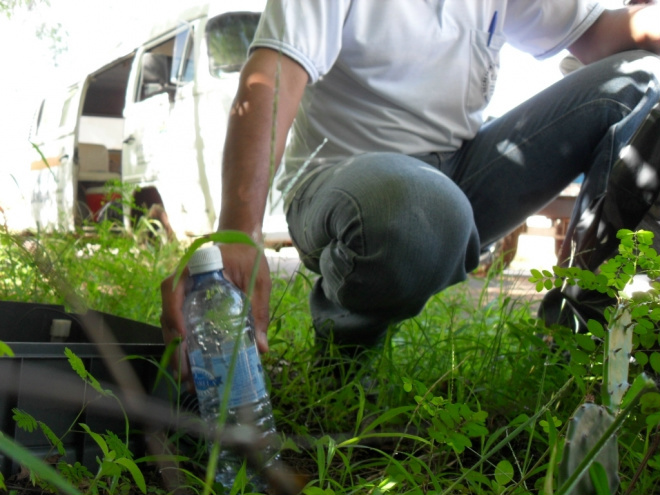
x: 228, y: 38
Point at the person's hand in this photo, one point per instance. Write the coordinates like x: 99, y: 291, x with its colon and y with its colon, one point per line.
x: 238, y: 261
x: 172, y: 325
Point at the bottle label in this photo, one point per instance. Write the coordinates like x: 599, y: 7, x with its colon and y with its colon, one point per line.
x: 211, y: 377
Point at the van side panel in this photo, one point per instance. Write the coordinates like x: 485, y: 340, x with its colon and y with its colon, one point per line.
x: 154, y: 119
x: 52, y: 171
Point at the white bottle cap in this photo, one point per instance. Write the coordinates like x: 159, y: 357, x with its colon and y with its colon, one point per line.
x: 206, y: 259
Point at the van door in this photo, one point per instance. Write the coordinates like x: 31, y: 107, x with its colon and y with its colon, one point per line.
x: 53, y: 134
x: 158, y: 73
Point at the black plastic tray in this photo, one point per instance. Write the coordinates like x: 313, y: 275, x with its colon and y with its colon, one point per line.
x: 40, y: 380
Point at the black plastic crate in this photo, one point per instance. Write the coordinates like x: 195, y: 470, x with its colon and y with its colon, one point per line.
x: 40, y: 380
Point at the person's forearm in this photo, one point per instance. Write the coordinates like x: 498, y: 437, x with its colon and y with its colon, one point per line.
x: 249, y: 160
x: 634, y: 27
x: 645, y: 27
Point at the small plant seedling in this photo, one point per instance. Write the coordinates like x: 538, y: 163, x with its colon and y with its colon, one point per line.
x: 117, y: 460
x: 591, y: 436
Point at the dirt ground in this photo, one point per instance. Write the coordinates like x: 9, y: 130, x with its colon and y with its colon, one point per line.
x: 534, y: 251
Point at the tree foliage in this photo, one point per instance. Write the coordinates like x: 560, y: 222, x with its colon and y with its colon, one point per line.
x: 45, y: 29
x: 9, y: 7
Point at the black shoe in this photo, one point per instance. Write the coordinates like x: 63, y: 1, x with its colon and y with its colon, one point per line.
x: 573, y: 307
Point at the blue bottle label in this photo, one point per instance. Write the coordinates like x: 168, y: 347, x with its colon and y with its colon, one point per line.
x: 247, y: 384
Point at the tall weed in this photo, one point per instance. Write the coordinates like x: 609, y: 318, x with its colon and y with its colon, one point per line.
x: 471, y: 396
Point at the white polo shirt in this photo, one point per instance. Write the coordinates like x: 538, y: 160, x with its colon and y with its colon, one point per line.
x: 409, y: 76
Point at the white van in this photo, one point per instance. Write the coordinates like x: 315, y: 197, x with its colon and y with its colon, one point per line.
x: 155, y: 118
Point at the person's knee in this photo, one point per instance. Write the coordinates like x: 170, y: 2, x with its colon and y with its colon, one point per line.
x: 395, y: 231
x: 398, y: 265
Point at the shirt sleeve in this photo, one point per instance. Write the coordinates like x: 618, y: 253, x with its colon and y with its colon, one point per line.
x: 307, y: 31
x: 546, y: 27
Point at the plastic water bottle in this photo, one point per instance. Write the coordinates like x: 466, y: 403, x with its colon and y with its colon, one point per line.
x: 216, y: 322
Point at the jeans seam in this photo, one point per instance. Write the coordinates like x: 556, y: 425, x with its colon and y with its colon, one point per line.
x: 360, y: 220
x: 337, y: 238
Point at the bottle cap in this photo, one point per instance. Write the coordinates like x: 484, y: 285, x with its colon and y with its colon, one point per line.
x: 206, y: 259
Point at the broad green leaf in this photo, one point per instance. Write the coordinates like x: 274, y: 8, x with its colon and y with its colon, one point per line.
x: 110, y: 468
x: 601, y: 280
x: 647, y: 340
x: 5, y: 350
x: 475, y: 430
x: 641, y: 358
x: 640, y: 328
x: 645, y: 237
x: 480, y: 416
x: 97, y: 438
x: 655, y: 361
x: 137, y: 475
x: 579, y: 357
x: 653, y: 420
x: 596, y: 328
x: 447, y: 418
x: 550, y: 425
x: 586, y: 342
x: 458, y: 442
x: 562, y: 272
x: 629, y: 270
x: 639, y: 311
x: 503, y: 473
x: 623, y: 233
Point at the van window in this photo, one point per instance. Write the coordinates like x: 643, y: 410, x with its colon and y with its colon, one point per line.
x: 164, y: 64
x: 54, y: 114
x: 183, y: 70
x: 228, y: 37
x: 155, y: 69
x: 66, y: 107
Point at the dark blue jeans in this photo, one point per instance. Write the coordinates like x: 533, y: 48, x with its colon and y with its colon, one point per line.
x: 386, y: 231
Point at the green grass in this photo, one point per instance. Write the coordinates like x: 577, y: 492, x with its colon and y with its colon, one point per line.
x: 468, y: 397
x: 100, y: 268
